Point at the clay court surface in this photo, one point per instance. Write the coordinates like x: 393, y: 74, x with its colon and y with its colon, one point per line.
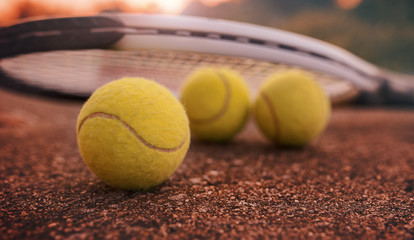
x: 355, y: 182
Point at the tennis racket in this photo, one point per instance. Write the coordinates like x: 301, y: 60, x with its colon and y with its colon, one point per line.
x: 72, y: 57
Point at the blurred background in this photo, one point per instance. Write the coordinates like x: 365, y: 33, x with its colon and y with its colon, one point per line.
x: 380, y: 31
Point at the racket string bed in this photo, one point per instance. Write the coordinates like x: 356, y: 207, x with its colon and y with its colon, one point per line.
x: 82, y: 71
x: 71, y: 57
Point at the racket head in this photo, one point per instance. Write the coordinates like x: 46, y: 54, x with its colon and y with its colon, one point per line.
x: 77, y: 73
x: 72, y: 57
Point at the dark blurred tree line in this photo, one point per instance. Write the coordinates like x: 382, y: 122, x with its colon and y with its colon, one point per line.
x: 380, y: 31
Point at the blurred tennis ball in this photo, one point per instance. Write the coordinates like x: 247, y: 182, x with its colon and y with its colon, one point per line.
x: 217, y: 103
x: 133, y: 133
x: 291, y: 108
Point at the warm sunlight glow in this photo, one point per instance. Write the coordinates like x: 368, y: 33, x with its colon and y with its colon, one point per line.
x: 348, y: 4
x: 212, y: 3
x: 10, y: 10
x: 172, y: 6
x: 165, y: 6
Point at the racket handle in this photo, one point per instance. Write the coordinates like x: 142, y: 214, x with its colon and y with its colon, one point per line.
x: 395, y: 89
x: 399, y: 88
x: 59, y: 34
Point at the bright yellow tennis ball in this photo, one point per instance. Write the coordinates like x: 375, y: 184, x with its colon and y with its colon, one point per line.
x: 217, y: 103
x: 133, y: 133
x: 291, y: 109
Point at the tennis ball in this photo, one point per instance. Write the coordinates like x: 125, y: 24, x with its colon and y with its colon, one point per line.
x: 217, y: 103
x: 133, y: 133
x: 291, y: 109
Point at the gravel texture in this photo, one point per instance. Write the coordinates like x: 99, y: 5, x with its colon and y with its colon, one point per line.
x: 355, y: 182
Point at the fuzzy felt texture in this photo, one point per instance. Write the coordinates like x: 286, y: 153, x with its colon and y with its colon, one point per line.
x: 291, y: 108
x: 217, y: 103
x: 133, y: 133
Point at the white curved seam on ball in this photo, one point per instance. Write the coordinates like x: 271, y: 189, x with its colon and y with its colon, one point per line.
x: 273, y: 115
x: 141, y: 139
x: 223, y: 109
